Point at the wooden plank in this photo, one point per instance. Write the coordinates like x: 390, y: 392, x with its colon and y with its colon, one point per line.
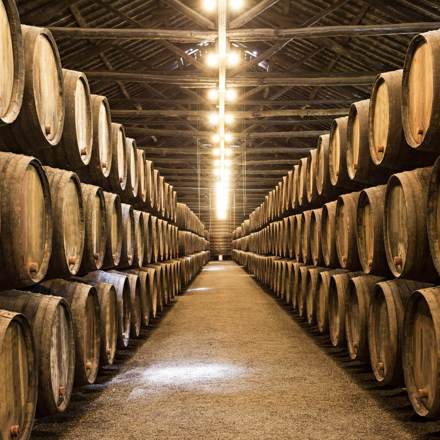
x: 252, y: 79
x: 246, y: 35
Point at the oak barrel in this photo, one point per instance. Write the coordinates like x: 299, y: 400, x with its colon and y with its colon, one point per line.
x: 52, y: 330
x: 369, y: 230
x: 324, y: 187
x: 328, y: 233
x: 26, y: 221
x: 128, y: 237
x: 140, y: 236
x: 420, y: 90
x: 385, y: 328
x: 121, y: 284
x: 113, y: 217
x: 142, y: 190
x: 420, y: 351
x: 13, y: 64
x: 345, y: 231
x: 305, y: 237
x: 84, y: 304
x: 117, y: 179
x: 18, y: 383
x: 312, y: 289
x: 433, y: 215
x: 68, y: 222
x: 40, y: 121
x: 95, y: 228
x: 131, y: 188
x: 360, y: 290
x: 405, y: 220
x: 315, y: 237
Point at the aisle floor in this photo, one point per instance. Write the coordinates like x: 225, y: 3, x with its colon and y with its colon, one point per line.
x: 228, y: 361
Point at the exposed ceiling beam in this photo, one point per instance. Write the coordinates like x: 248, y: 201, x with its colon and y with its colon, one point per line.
x: 251, y: 79
x: 208, y: 134
x: 202, y: 114
x: 246, y: 35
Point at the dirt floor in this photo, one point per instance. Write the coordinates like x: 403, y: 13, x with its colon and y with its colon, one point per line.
x: 228, y: 361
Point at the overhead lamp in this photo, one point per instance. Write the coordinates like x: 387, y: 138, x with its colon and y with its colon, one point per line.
x: 228, y: 163
x: 213, y: 94
x: 214, y: 118
x: 212, y: 59
x: 215, y: 138
x: 216, y: 152
x: 211, y: 5
x: 228, y: 152
x: 229, y: 118
x: 233, y: 58
x: 231, y: 95
x: 228, y: 137
x: 236, y: 5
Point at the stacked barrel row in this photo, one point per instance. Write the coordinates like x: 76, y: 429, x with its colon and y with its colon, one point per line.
x: 87, y: 227
x: 350, y: 237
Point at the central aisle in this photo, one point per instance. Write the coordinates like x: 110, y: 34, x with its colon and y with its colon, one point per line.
x: 228, y: 362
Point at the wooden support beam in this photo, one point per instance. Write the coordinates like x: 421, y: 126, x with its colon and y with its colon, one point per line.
x: 257, y: 102
x: 202, y: 114
x: 208, y: 134
x: 246, y: 35
x: 251, y: 79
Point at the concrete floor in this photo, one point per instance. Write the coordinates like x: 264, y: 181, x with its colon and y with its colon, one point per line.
x: 228, y: 361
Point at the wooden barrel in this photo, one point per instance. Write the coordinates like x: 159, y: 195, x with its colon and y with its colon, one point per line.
x: 144, y: 294
x: 301, y: 291
x: 420, y: 106
x: 420, y: 351
x: 311, y: 190
x: 68, y: 222
x: 406, y: 238
x: 385, y: 327
x: 148, y: 239
x: 324, y: 187
x: 153, y: 232
x: 75, y: 149
x: 149, y: 183
x: 13, y: 64
x: 345, y: 231
x: 19, y: 387
x: 312, y: 289
x: 108, y: 308
x: 113, y: 247
x: 128, y: 237
x: 161, y: 287
x: 40, y: 121
x: 84, y: 304
x: 369, y: 230
x: 315, y: 237
x: 301, y: 197
x: 117, y: 179
x: 328, y: 232
x: 131, y: 189
x: 100, y: 163
x: 135, y: 302
x: 95, y: 228
x: 360, y: 290
x: 52, y: 331
x: 288, y: 282
x: 123, y: 296
x: 306, y: 254
x: 140, y: 233
x: 433, y: 218
x: 297, y: 235
x: 388, y: 147
x: 337, y: 298
x: 337, y: 154
x: 25, y: 244
x: 289, y: 190
x: 160, y: 238
x: 360, y: 166
x: 322, y: 298
x: 295, y: 183
x: 142, y: 182
x: 152, y: 289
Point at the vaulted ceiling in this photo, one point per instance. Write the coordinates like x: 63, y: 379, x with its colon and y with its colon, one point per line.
x: 291, y: 83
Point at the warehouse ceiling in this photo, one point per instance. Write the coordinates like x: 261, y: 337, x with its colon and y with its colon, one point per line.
x: 290, y: 84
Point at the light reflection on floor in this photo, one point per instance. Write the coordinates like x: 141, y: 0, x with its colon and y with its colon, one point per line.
x: 186, y: 376
x: 198, y: 289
